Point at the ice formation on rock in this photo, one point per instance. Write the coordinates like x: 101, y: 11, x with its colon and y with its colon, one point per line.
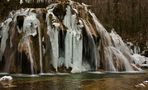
x: 64, y: 37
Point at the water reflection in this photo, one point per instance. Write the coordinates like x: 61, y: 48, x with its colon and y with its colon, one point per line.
x: 80, y: 82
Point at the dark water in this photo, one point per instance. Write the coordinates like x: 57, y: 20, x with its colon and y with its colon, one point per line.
x: 83, y: 81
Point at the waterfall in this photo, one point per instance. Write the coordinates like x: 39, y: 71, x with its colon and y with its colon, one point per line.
x: 116, y: 47
x: 122, y: 49
x: 30, y: 56
x: 4, y: 34
x: 106, y: 44
x: 30, y: 27
x: 67, y: 37
x: 94, y: 59
x: 53, y: 34
x: 55, y: 47
x: 109, y: 59
x: 68, y: 49
x: 119, y: 56
x: 40, y: 48
x: 77, y: 46
x: 73, y: 42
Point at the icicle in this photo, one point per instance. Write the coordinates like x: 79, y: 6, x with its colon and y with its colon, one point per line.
x: 77, y: 55
x: 21, y: 1
x: 69, y: 38
x: 67, y: 19
x: 30, y: 25
x: 53, y: 34
x: 55, y: 46
x: 73, y: 42
x: 40, y: 47
x: 5, y: 29
x: 68, y: 49
x: 77, y: 47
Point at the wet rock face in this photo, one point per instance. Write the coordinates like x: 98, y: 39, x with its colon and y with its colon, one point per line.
x: 63, y: 37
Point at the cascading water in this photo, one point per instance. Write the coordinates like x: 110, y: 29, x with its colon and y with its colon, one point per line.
x: 69, y: 38
x: 93, y: 59
x: 106, y: 44
x: 64, y: 37
x: 4, y: 34
x: 53, y: 34
x: 121, y: 47
x: 77, y: 46
x: 114, y: 47
x: 40, y: 48
x: 30, y: 57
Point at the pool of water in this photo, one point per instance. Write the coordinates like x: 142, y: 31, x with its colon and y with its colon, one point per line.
x: 83, y: 81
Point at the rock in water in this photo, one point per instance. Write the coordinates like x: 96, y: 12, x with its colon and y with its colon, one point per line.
x: 140, y: 85
x: 6, y: 81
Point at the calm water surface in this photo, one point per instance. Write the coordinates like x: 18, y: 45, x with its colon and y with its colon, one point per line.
x: 83, y: 81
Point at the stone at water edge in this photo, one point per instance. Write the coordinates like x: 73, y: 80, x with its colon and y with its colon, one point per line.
x: 145, y: 82
x: 6, y: 81
x: 142, y: 85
